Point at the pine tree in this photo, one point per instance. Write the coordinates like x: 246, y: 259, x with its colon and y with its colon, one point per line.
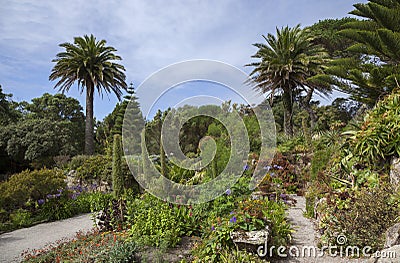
x: 133, y: 119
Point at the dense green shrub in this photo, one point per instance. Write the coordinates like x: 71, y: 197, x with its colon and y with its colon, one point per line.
x: 24, y: 189
x: 320, y: 161
x: 123, y: 252
x: 20, y: 218
x: 96, y: 168
x: 154, y: 222
x: 59, y: 207
x: 77, y: 161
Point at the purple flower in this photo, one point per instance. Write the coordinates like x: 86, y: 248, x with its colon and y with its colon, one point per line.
x: 40, y: 201
x: 232, y: 212
x: 58, y: 195
x: 283, y: 196
x: 74, y: 196
x: 246, y: 167
x: 228, y: 191
x: 213, y: 228
x: 60, y: 190
x: 49, y: 196
x: 233, y: 219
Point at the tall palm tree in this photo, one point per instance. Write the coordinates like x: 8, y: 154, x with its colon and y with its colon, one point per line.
x: 288, y: 63
x: 89, y: 63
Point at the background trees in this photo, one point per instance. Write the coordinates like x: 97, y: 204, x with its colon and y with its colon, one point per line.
x: 49, y: 126
x: 89, y: 63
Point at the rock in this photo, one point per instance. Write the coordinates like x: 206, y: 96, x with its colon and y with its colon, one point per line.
x: 250, y: 240
x: 395, y: 172
x: 317, y: 213
x: 71, y: 178
x: 389, y: 255
x: 392, y: 236
x: 102, y: 221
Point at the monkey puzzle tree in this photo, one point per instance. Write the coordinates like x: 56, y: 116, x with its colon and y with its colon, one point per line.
x: 374, y: 72
x: 91, y: 64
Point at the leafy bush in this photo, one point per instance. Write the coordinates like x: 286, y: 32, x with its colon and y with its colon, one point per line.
x: 362, y: 216
x: 296, y: 144
x: 123, y: 252
x: 281, y: 176
x: 21, y: 218
x: 69, y: 202
x: 320, y: 161
x: 96, y: 168
x: 58, y: 208
x: 24, y: 189
x: 154, y: 222
x: 77, y: 161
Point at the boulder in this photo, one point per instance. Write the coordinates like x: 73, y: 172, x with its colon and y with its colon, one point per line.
x: 389, y: 255
x: 395, y: 171
x: 102, y: 221
x: 317, y: 212
x: 250, y: 240
x: 392, y: 236
x: 71, y: 179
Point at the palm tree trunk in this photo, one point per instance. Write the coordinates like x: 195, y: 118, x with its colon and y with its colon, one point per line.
x: 305, y: 103
x: 89, y: 128
x: 288, y: 113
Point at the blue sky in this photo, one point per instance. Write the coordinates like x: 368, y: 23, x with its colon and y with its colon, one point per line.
x: 148, y: 35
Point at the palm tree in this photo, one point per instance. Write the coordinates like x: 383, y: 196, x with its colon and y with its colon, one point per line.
x: 90, y: 64
x: 288, y: 63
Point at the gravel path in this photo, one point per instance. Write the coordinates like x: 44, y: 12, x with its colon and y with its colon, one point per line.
x: 12, y: 244
x: 305, y: 236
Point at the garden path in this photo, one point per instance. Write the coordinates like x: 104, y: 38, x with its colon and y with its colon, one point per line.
x: 305, y: 235
x: 12, y: 244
